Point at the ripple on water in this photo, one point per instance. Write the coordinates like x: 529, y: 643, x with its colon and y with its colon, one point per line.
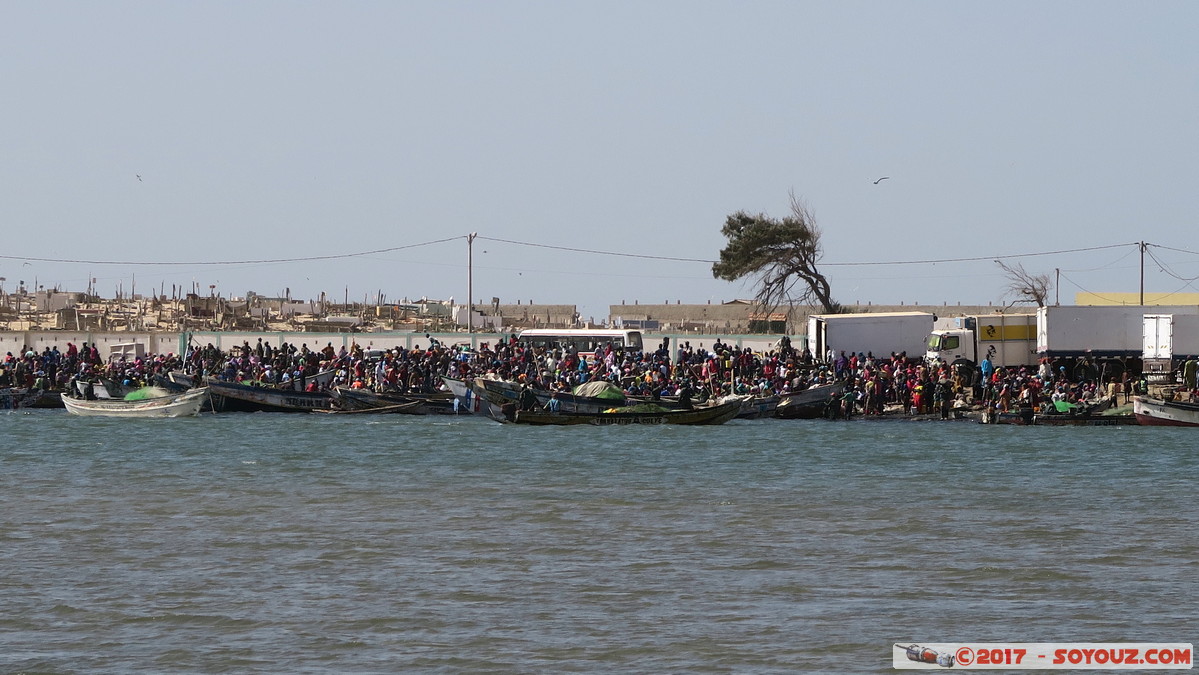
x: 319, y: 544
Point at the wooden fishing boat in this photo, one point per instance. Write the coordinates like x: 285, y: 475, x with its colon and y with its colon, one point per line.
x: 1023, y: 418
x: 462, y: 393
x: 323, y: 379
x: 43, y: 398
x: 22, y: 397
x: 233, y: 397
x: 1085, y: 420
x: 569, y: 402
x: 1160, y: 412
x: 397, y: 409
x: 1018, y: 416
x: 715, y: 414
x: 1095, y: 414
x: 439, y: 403
x: 187, y: 404
x: 487, y: 402
x: 577, y: 402
x: 754, y: 407
x: 103, y: 388
x: 809, y: 403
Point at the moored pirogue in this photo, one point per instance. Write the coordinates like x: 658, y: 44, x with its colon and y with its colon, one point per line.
x: 713, y: 414
x: 1160, y: 412
x: 186, y: 404
x: 502, y: 408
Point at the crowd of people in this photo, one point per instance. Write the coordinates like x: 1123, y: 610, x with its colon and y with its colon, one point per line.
x: 873, y: 385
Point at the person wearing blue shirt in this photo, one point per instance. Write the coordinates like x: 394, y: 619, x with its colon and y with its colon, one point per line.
x: 987, y: 368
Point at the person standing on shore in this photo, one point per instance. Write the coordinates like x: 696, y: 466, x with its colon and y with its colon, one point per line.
x: 1189, y: 370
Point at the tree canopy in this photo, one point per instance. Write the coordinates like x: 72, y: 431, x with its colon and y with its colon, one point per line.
x: 782, y: 253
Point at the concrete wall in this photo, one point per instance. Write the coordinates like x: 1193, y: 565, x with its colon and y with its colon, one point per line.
x: 735, y: 317
x: 154, y: 343
x: 174, y: 343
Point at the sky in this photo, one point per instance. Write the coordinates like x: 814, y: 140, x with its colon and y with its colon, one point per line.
x: 596, y: 148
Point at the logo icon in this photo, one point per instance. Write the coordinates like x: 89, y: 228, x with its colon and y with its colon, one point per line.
x: 925, y: 655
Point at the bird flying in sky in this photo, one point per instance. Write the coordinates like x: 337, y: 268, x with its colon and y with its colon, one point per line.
x: 881, y: 180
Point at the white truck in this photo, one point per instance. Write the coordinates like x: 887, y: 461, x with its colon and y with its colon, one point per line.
x: 1168, y: 339
x: 1008, y: 340
x: 1110, y: 337
x: 877, y: 333
x: 1099, y: 331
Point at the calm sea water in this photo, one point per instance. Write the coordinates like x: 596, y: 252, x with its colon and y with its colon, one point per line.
x: 322, y: 544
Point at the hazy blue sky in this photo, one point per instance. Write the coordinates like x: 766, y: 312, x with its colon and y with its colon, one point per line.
x: 283, y: 130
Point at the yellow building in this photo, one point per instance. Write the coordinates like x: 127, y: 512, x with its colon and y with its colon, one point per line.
x: 1135, y: 298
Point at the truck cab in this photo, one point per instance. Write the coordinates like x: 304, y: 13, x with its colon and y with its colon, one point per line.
x: 1006, y: 339
x: 951, y: 345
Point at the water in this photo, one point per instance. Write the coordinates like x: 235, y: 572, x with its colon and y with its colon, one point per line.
x: 325, y: 544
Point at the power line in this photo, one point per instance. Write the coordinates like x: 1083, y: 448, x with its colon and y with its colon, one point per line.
x: 1084, y: 290
x: 232, y: 262
x: 985, y: 257
x: 827, y: 264
x: 557, y: 248
x: 1178, y: 250
x: 584, y: 250
x: 1163, y: 268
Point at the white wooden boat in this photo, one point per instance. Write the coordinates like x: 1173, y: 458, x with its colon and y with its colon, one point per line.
x: 754, y: 407
x: 474, y: 398
x: 1159, y: 412
x: 186, y: 404
x: 809, y: 403
x: 504, y: 390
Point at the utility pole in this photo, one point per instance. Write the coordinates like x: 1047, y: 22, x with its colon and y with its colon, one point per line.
x: 1142, y: 273
x: 1057, y: 287
x: 470, y: 287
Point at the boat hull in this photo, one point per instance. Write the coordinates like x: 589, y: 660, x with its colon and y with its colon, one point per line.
x: 21, y: 397
x: 568, y: 402
x: 1086, y: 420
x: 1028, y: 418
x: 1161, y: 413
x: 397, y: 409
x: 470, y: 400
x: 230, y: 397
x: 755, y: 407
x: 717, y: 414
x: 187, y: 404
x: 809, y: 403
x: 426, y: 404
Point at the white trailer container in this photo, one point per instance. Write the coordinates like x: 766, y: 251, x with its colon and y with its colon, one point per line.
x: 1099, y: 331
x: 1008, y: 340
x: 879, y: 333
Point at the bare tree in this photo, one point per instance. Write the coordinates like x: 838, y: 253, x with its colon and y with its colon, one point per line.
x: 1026, y: 286
x: 783, y: 253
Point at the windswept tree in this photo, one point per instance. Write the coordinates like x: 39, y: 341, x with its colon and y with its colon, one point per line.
x: 1025, y: 286
x: 782, y: 253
